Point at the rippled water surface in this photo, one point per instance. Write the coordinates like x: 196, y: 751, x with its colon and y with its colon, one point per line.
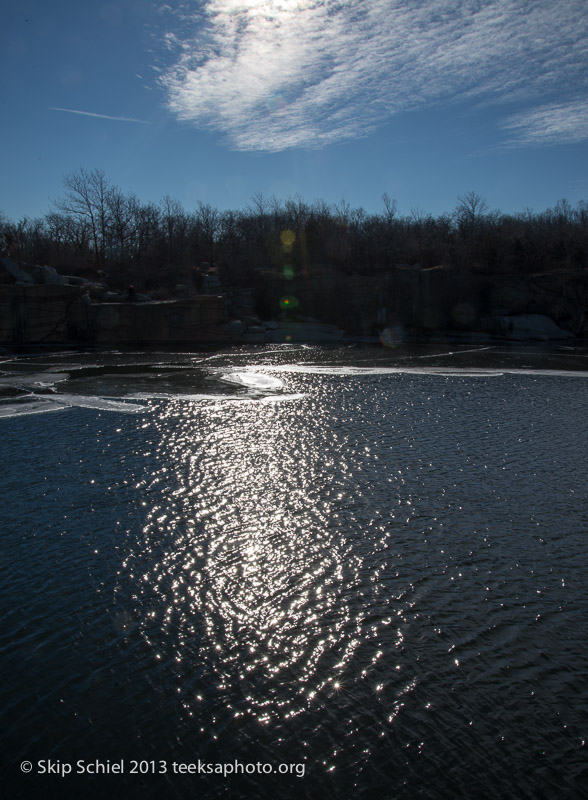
x: 371, y: 570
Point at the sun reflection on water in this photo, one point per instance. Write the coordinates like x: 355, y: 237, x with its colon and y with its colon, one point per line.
x: 347, y: 577
x: 244, y: 561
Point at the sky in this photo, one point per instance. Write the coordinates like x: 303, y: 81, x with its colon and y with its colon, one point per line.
x: 220, y: 100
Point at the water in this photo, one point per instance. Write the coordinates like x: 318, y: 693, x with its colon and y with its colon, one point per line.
x: 363, y: 566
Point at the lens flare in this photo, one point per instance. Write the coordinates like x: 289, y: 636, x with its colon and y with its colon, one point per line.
x: 392, y: 336
x: 288, y: 238
x: 288, y: 302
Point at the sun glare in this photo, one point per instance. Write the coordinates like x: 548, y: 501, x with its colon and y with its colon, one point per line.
x: 263, y: 5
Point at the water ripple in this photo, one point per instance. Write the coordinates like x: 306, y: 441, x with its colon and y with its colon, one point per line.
x: 383, y: 578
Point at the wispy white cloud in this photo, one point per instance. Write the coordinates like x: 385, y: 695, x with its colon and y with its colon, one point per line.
x: 553, y: 123
x: 100, y: 116
x: 273, y: 74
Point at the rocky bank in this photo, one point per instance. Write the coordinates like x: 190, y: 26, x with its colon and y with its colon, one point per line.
x: 40, y: 306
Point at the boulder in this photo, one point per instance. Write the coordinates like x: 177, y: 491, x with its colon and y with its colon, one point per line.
x: 17, y: 274
x: 50, y: 276
x: 76, y: 280
x: 537, y: 327
x: 234, y: 327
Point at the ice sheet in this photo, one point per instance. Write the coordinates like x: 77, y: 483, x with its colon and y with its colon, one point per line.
x: 99, y: 403
x: 20, y: 409
x: 253, y: 380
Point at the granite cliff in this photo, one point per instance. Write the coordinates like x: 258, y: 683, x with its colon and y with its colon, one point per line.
x: 39, y: 306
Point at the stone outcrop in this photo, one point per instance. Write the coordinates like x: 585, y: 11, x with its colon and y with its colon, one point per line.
x: 53, y: 314
x: 194, y: 320
x: 363, y: 305
x: 37, y: 305
x: 14, y: 274
x: 40, y: 313
x: 426, y: 301
x: 55, y: 311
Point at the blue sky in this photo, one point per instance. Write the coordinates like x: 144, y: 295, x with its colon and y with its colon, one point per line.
x: 216, y: 101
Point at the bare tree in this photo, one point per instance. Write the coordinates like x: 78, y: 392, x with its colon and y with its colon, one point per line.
x: 470, y: 211
x: 175, y: 223
x: 4, y: 234
x: 122, y: 211
x: 208, y: 225
x: 86, y: 197
x: 259, y: 205
x: 342, y: 211
x: 69, y: 237
x: 391, y: 207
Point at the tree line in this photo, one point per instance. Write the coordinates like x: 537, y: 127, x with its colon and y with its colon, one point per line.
x: 94, y: 228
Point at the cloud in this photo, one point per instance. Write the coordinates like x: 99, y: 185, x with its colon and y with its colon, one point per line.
x: 100, y: 116
x: 554, y: 123
x: 274, y: 74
